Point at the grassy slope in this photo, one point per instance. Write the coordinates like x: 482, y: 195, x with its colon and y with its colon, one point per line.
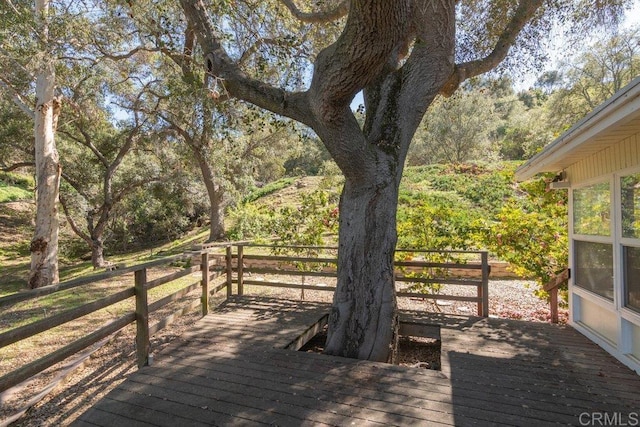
x: 469, y: 186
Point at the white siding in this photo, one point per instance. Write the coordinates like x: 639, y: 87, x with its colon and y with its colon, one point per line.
x: 600, y: 320
x: 619, y: 156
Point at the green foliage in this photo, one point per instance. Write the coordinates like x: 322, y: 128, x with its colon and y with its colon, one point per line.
x: 307, y: 223
x: 457, y: 129
x: 439, y: 221
x: 15, y: 187
x: 531, y: 232
x: 249, y: 221
x: 270, y: 188
x: 12, y: 193
x: 160, y: 213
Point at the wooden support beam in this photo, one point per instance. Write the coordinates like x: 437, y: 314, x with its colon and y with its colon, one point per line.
x: 205, y: 283
x: 143, y: 344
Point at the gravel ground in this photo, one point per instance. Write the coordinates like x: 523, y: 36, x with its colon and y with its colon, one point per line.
x: 110, y: 365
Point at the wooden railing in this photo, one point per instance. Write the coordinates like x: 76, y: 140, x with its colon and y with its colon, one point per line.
x: 237, y: 265
x: 470, y: 268
x: 552, y: 288
x: 139, y: 290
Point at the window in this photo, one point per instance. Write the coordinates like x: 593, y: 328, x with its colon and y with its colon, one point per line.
x: 592, y: 210
x: 630, y: 202
x: 594, y: 267
x: 631, y: 261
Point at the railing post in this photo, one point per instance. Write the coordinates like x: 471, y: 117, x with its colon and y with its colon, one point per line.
x: 205, y: 283
x: 485, y: 285
x: 240, y: 269
x: 229, y: 270
x: 143, y: 344
x: 554, y: 304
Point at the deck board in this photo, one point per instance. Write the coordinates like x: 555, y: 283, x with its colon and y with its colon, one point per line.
x: 232, y: 369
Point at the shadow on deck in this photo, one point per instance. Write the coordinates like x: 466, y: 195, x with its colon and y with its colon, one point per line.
x: 233, y: 370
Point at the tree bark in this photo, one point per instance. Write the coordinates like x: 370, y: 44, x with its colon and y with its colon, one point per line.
x: 363, y: 321
x: 402, y: 54
x: 44, y: 246
x: 97, y: 253
x: 215, y: 193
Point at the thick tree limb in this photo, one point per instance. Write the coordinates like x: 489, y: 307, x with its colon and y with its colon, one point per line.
x: 237, y: 83
x: 525, y: 11
x: 376, y: 35
x: 318, y: 17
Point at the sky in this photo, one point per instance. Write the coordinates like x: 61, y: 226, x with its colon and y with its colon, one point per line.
x: 632, y: 18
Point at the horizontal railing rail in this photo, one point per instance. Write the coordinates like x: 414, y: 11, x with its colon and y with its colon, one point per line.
x: 140, y: 316
x: 319, y: 264
x: 236, y: 269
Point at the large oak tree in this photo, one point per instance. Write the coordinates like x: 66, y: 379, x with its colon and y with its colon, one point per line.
x: 401, y: 54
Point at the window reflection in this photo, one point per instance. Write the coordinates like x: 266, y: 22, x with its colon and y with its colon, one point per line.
x: 592, y: 210
x: 594, y: 267
x: 630, y: 201
x: 632, y: 277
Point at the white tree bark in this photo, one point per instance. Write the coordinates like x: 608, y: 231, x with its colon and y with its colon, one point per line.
x: 44, y: 246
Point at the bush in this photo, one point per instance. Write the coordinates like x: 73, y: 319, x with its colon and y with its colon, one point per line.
x: 531, y: 233
x: 270, y: 188
x: 248, y: 221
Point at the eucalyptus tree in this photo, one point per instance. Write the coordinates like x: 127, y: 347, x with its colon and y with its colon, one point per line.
x: 29, y: 27
x: 401, y: 54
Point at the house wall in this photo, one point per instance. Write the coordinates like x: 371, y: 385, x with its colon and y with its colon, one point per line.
x: 606, y: 321
x: 617, y: 157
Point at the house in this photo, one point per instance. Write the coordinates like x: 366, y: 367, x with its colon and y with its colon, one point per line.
x: 598, y: 160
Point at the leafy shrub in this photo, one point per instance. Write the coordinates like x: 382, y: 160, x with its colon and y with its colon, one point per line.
x: 441, y: 221
x: 248, y: 221
x: 531, y: 232
x: 270, y: 188
x: 306, y: 224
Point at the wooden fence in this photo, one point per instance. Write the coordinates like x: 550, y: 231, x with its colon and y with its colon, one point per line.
x: 413, y: 267
x: 139, y: 291
x: 237, y: 265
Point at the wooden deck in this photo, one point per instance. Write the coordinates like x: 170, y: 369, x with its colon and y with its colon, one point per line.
x: 234, y: 371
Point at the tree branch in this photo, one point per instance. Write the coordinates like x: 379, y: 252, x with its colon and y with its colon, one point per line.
x: 17, y: 99
x: 75, y: 185
x: 237, y: 83
x: 524, y: 12
x: 318, y: 17
x: 17, y: 166
x: 71, y: 221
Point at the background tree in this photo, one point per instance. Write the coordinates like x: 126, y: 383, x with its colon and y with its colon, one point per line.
x: 401, y: 54
x: 457, y: 130
x: 593, y: 76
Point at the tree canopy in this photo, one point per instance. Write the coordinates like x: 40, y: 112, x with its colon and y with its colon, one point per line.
x: 401, y: 54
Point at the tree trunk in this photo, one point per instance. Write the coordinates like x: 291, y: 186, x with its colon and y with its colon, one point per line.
x: 97, y: 253
x: 44, y: 246
x: 215, y: 193
x: 363, y: 322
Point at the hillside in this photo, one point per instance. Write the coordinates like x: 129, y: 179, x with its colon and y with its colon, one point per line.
x: 440, y: 207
